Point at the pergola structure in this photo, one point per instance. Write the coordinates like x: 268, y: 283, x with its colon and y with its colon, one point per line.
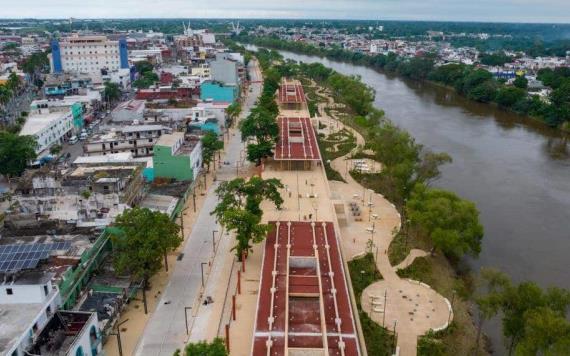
x: 291, y: 95
x: 304, y: 307
x: 297, y: 146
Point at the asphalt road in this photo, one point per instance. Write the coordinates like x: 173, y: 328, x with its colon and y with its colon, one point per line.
x: 166, y: 330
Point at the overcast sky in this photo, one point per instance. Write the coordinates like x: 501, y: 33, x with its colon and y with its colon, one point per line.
x: 459, y: 10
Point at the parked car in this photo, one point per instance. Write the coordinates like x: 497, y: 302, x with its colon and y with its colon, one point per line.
x: 83, y: 136
x: 73, y: 140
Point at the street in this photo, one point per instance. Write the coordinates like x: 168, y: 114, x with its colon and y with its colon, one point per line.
x: 166, y: 330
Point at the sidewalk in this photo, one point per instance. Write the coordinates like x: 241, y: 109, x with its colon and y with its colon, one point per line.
x: 166, y: 329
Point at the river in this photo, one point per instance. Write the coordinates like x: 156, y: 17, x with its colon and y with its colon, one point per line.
x: 518, y: 173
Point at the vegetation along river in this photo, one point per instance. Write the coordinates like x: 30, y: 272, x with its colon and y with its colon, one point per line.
x: 517, y: 173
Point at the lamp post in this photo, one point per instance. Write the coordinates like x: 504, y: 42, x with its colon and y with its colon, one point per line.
x: 214, y: 240
x: 186, y: 318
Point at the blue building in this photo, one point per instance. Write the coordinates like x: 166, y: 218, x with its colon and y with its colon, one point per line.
x: 75, y: 54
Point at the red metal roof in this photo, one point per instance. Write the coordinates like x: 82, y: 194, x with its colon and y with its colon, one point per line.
x: 291, y: 93
x: 297, y: 140
x: 303, y: 296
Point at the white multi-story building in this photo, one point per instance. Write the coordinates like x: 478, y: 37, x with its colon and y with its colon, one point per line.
x: 48, y: 127
x: 27, y: 303
x: 88, y: 54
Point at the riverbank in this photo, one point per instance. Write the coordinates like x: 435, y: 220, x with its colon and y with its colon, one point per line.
x: 459, y: 336
x: 517, y: 174
x: 543, y: 114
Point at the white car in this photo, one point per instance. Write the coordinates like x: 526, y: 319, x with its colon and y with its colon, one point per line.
x: 73, y: 140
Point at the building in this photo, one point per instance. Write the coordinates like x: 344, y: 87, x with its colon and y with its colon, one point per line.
x: 70, y: 333
x: 297, y: 146
x: 49, y: 127
x: 80, y: 105
x: 88, y: 54
x: 62, y: 84
x: 167, y: 93
x: 27, y: 302
x: 304, y: 305
x: 177, y: 156
x: 225, y: 69
x: 136, y: 139
x: 129, y: 111
x: 218, y: 93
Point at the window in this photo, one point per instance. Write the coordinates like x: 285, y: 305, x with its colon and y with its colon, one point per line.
x: 9, y: 291
x: 46, y: 290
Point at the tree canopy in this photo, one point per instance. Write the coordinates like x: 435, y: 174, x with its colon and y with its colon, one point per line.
x: 15, y: 153
x: 261, y: 126
x: 112, y: 91
x: 141, y: 238
x: 210, y: 145
x: 534, y: 320
x: 451, y: 223
x: 239, y: 208
x: 204, y: 348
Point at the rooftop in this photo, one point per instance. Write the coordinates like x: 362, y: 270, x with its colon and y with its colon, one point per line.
x: 37, y: 122
x: 303, y: 306
x: 15, y: 319
x: 163, y: 203
x: 291, y: 92
x: 170, y: 140
x: 297, y: 140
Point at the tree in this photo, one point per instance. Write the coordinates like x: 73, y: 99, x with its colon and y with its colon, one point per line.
x: 261, y: 126
x: 112, y: 91
x: 492, y: 284
x: 210, y: 145
x: 13, y: 82
x: 204, y: 348
x: 451, y: 223
x: 239, y: 208
x: 233, y: 111
x: 508, y: 96
x: 428, y: 169
x: 55, y: 149
x: 15, y: 153
x: 546, y: 333
x: 521, y: 82
x: 141, y: 239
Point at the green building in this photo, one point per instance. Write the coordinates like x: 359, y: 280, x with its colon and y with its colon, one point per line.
x: 77, y: 111
x: 176, y: 156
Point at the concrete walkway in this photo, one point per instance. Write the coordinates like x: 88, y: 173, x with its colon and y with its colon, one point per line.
x: 409, y: 307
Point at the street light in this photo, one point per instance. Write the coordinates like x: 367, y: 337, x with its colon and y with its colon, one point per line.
x: 186, y: 318
x: 213, y: 240
x: 118, y: 334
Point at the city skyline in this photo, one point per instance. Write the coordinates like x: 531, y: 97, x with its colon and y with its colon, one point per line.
x: 551, y: 11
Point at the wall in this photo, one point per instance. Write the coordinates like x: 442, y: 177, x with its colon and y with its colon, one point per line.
x: 23, y: 294
x: 168, y: 166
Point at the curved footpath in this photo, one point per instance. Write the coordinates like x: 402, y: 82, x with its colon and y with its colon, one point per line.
x: 411, y: 307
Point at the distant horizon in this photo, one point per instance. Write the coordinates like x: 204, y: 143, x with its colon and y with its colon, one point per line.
x: 277, y: 19
x: 491, y: 11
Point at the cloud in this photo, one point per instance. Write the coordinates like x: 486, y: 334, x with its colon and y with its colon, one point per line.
x: 460, y: 10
